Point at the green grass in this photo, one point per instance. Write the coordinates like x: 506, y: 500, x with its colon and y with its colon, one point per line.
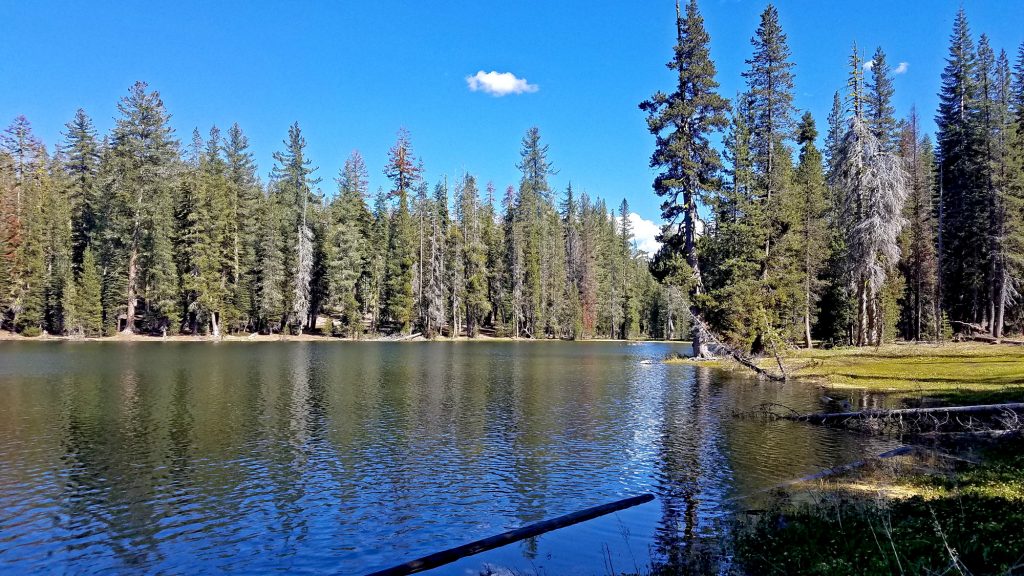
x: 914, y: 366
x: 953, y: 373
x: 968, y: 522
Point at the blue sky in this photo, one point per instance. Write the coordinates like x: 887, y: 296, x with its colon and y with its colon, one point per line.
x: 352, y: 73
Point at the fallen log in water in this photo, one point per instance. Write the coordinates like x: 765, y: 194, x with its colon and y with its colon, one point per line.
x: 840, y: 417
x: 709, y: 336
x: 459, y: 552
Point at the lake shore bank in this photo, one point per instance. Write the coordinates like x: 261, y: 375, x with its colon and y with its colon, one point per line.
x: 954, y: 503
x: 305, y: 337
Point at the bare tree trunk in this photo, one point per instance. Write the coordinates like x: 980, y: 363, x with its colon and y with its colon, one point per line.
x: 807, y: 326
x: 997, y: 325
x: 862, y: 312
x: 215, y: 324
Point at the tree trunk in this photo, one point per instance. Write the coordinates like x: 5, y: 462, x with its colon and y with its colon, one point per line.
x: 133, y: 272
x: 862, y: 313
x: 807, y: 327
x: 215, y: 325
x: 917, y: 306
x: 700, y: 347
x: 807, y: 304
x: 997, y: 325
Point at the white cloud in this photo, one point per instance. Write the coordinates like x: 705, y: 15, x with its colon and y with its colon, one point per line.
x: 644, y: 232
x: 902, y: 68
x: 499, y: 83
x: 869, y: 65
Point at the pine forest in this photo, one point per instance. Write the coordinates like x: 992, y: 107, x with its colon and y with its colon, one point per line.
x: 780, y: 229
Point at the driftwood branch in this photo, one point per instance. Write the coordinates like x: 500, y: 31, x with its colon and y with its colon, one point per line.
x: 459, y: 552
x: 1008, y: 416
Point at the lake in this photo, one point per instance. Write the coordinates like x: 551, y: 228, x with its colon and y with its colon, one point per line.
x: 347, y: 457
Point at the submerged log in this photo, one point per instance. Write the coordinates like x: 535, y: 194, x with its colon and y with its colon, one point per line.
x: 839, y: 417
x: 459, y: 552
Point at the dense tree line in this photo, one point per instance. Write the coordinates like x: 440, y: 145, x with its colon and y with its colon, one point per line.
x: 776, y: 232
x: 876, y: 234
x: 133, y: 232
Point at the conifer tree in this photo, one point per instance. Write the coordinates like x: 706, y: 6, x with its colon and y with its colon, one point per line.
x: 244, y: 198
x: 682, y: 123
x: 269, y: 280
x: 437, y: 289
x: 35, y: 189
x: 293, y: 193
x: 835, y: 310
x: 474, y: 255
x: 808, y: 241
x: 878, y: 108
x: 921, y: 305
x: 770, y: 103
x: 88, y: 304
x: 963, y: 257
x: 494, y: 239
x: 216, y: 242
x: 349, y: 215
x: 380, y: 235
x: 630, y: 313
x: 532, y: 208
x: 57, y: 248
x: 81, y: 164
x: 874, y: 185
x: 21, y: 154
x: 405, y: 174
x: 140, y: 181
x: 1005, y: 216
x: 734, y: 248
x: 1014, y: 197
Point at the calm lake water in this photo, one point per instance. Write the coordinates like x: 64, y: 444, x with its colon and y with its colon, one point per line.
x: 330, y: 457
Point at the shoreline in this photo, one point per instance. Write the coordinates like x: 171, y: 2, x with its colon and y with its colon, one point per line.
x: 6, y: 336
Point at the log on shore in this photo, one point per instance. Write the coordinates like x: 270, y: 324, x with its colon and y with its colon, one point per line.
x: 994, y: 340
x: 708, y: 335
x: 839, y: 417
x: 536, y: 529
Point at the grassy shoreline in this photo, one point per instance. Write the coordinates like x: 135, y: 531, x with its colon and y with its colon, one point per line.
x: 960, y: 511
x: 968, y: 372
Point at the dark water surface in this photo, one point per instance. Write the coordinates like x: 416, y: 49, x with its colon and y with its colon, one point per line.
x: 329, y: 457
